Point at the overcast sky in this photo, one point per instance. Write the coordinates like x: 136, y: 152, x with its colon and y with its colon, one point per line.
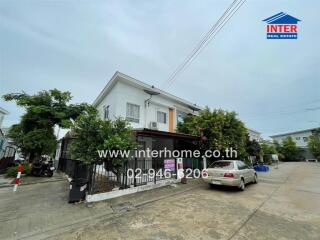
x: 78, y: 45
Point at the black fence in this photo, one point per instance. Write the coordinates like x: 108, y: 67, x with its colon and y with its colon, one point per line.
x: 104, y: 177
x: 132, y: 173
x: 74, y: 168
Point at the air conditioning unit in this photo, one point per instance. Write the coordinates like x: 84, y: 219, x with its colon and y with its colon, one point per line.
x: 154, y: 125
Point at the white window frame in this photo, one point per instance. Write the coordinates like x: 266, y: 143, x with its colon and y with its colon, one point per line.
x: 165, y: 117
x: 130, y: 116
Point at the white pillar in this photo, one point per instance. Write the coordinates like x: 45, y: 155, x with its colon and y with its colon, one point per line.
x: 204, y: 162
x: 179, y: 167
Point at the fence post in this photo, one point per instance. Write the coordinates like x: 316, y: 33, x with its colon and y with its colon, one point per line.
x: 155, y: 170
x: 124, y: 175
x: 93, y: 177
x: 134, y: 172
x: 176, y: 168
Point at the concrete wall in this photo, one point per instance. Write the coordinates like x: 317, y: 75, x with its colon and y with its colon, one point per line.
x: 118, y: 193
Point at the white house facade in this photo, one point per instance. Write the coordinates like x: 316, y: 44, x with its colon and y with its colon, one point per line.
x: 254, y: 135
x: 301, y: 139
x: 143, y: 105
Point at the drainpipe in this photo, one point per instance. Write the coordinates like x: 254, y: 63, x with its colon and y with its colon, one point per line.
x: 146, y: 103
x: 146, y: 106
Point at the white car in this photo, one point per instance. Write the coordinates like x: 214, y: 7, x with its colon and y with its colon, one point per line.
x: 230, y: 173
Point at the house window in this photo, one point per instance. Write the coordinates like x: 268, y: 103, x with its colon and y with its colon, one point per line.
x: 305, y: 139
x: 106, y: 112
x: 161, y: 117
x: 297, y: 138
x: 133, y: 112
x: 181, y: 116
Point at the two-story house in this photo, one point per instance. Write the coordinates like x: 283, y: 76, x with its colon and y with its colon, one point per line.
x: 143, y: 105
x: 152, y: 113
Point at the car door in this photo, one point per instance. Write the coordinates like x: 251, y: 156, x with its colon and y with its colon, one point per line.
x: 244, y: 171
x: 248, y: 173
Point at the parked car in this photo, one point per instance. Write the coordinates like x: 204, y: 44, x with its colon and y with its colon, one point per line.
x: 230, y: 173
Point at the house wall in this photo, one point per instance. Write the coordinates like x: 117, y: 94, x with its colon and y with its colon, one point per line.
x: 253, y: 135
x: 123, y: 93
x: 1, y: 118
x: 111, y: 100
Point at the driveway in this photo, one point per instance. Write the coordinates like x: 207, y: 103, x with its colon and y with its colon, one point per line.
x: 284, y: 205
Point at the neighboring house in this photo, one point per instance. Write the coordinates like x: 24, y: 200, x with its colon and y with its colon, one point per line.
x: 254, y: 135
x: 3, y: 112
x: 300, y: 138
x: 3, y: 142
x: 143, y: 105
x: 7, y: 148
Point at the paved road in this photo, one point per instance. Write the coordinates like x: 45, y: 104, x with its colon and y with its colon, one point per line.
x: 284, y: 205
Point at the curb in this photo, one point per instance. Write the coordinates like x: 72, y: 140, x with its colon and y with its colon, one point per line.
x: 31, y: 183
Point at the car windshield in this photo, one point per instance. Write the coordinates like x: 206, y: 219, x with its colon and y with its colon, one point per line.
x: 223, y: 165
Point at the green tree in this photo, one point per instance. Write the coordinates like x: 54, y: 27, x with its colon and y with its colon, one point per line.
x: 93, y: 134
x: 289, y: 150
x: 253, y: 148
x: 44, y: 110
x: 268, y: 148
x: 220, y: 129
x: 314, y: 143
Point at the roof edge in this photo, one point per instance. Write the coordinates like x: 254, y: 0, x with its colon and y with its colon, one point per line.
x: 143, y: 85
x: 299, y: 131
x: 4, y: 111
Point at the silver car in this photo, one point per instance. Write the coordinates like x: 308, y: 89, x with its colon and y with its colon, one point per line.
x: 230, y: 173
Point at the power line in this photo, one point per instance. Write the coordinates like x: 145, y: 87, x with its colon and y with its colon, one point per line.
x: 219, y: 25
x: 200, y: 44
x: 215, y: 29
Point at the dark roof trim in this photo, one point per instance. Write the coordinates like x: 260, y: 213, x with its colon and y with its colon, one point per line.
x: 155, y: 133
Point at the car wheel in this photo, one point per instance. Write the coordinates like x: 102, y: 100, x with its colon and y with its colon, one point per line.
x: 255, y: 180
x: 242, y: 185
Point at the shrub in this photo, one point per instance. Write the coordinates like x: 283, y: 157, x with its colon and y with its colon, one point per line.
x: 12, y: 171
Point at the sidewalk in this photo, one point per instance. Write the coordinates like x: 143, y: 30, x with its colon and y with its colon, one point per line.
x: 38, y: 211
x: 26, y: 180
x: 4, y: 181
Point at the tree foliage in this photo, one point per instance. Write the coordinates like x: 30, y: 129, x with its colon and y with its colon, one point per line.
x: 314, y: 143
x: 35, y: 132
x: 253, y: 148
x: 221, y: 130
x: 289, y: 150
x: 93, y: 134
x: 268, y: 148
